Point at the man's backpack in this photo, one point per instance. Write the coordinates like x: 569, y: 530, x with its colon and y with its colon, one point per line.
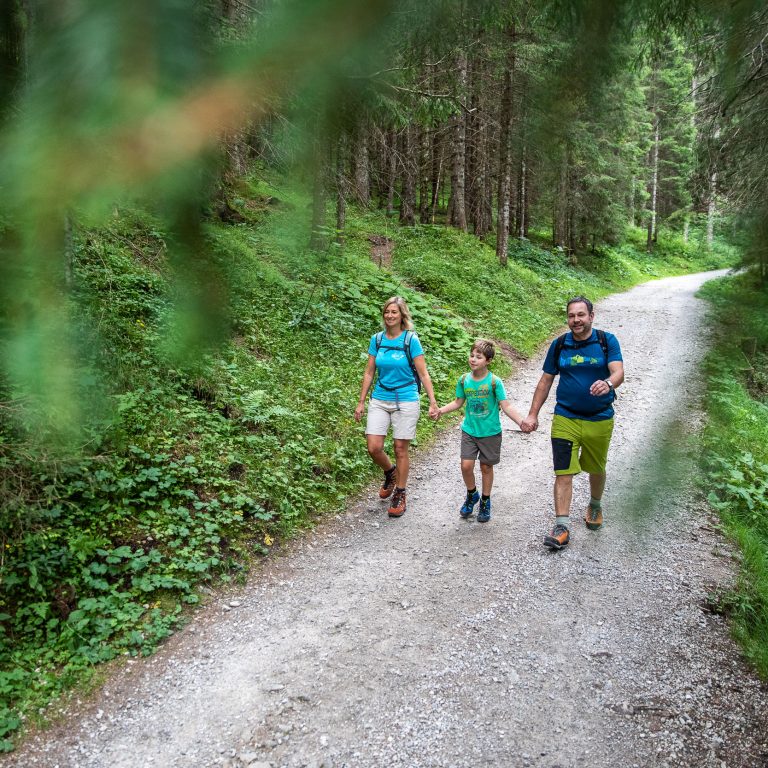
x: 560, y: 343
x: 405, y: 348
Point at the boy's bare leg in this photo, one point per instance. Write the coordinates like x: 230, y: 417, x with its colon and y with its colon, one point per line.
x: 487, y: 471
x: 468, y: 473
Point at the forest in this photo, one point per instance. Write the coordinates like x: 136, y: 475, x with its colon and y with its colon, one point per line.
x: 204, y: 205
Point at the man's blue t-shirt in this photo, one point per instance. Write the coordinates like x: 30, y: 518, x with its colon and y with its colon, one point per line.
x: 393, y: 368
x: 582, y: 363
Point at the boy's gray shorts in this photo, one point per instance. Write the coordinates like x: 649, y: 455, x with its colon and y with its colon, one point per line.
x: 488, y: 449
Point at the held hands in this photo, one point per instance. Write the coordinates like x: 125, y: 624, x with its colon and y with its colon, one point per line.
x: 434, y: 411
x: 529, y: 424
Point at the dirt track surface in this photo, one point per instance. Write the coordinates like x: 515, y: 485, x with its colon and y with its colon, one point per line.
x: 431, y: 641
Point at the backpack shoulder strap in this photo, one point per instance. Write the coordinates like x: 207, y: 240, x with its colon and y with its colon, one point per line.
x: 603, y: 339
x: 559, y: 344
x: 495, y: 381
x: 407, y: 346
x: 379, y: 338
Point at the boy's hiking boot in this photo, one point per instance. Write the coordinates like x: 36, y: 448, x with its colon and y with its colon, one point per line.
x: 397, y: 507
x: 468, y: 507
x: 389, y: 483
x: 484, y: 515
x: 593, y: 518
x: 558, y: 538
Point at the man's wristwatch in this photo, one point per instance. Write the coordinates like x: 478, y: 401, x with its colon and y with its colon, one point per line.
x: 609, y: 383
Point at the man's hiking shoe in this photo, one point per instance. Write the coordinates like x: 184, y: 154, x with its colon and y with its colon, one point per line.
x: 558, y: 538
x: 593, y: 518
x: 389, y: 483
x: 468, y: 507
x: 484, y: 515
x: 397, y: 507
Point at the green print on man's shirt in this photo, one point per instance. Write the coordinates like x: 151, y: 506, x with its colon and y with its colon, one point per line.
x: 481, y: 407
x: 580, y: 360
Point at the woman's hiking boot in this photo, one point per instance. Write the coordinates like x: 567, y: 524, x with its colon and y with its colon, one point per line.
x: 468, y: 507
x: 484, y: 515
x: 389, y: 483
x: 593, y: 518
x: 397, y: 507
x: 558, y: 538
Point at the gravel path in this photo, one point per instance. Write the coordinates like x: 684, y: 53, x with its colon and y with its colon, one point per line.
x: 431, y: 641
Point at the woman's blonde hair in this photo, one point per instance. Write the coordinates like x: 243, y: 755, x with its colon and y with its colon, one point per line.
x: 406, y: 323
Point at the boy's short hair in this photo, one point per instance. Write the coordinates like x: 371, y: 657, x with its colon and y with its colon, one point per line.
x: 485, y: 347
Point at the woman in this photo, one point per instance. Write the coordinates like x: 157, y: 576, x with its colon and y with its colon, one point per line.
x: 396, y: 354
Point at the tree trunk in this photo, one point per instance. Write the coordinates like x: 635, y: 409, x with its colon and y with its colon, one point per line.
x: 341, y: 189
x: 654, y: 191
x: 391, y: 159
x: 425, y: 164
x: 482, y: 208
x: 505, y: 140
x: 522, y: 198
x: 437, y: 171
x: 362, y: 182
x: 457, y: 210
x: 560, y: 213
x: 317, y: 241
x: 711, y: 202
x: 14, y: 20
x: 408, y: 203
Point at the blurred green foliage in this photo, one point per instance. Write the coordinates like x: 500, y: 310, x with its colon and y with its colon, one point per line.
x: 735, y: 456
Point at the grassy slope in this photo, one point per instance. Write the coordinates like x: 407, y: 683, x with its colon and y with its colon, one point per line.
x: 193, y: 471
x: 736, y: 447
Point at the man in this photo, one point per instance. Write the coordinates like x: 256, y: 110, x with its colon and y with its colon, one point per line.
x: 590, y: 366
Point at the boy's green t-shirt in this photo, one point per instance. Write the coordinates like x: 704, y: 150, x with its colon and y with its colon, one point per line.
x: 481, y: 407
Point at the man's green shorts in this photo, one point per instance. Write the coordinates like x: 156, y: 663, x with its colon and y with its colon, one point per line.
x: 580, y: 445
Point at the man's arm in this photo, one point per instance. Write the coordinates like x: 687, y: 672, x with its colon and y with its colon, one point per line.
x: 540, y: 395
x: 615, y: 377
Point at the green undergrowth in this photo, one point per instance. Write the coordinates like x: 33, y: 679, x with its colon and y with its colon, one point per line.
x: 736, y: 447
x: 187, y: 474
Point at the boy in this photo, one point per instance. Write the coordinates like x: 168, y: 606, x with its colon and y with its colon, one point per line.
x: 481, y: 428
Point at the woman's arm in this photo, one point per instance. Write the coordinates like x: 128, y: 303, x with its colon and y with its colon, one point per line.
x: 369, y: 373
x: 421, y: 369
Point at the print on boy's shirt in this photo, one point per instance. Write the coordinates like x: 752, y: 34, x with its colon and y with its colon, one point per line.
x: 477, y: 400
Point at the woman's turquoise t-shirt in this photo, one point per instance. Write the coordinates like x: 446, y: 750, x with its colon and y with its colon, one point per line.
x: 395, y: 379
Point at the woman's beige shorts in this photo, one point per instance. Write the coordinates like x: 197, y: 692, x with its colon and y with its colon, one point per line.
x: 385, y: 413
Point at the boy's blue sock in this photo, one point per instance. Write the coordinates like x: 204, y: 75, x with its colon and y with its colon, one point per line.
x: 595, y: 503
x: 562, y: 520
